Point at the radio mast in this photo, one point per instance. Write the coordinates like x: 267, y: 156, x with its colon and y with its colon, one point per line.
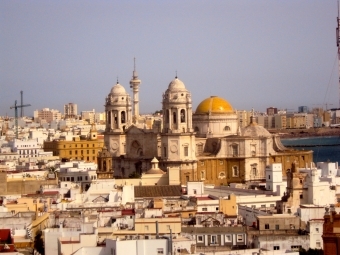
x: 338, y: 45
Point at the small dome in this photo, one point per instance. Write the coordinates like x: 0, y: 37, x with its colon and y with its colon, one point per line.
x: 255, y: 130
x: 176, y: 84
x: 214, y: 104
x: 118, y: 89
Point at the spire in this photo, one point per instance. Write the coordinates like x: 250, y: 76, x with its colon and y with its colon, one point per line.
x: 117, y: 80
x: 252, y: 117
x: 134, y: 73
x: 176, y: 75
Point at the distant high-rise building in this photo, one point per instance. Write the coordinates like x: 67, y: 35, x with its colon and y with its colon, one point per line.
x: 70, y: 110
x: 303, y: 109
x: 88, y: 116
x: 271, y: 110
x: 46, y: 114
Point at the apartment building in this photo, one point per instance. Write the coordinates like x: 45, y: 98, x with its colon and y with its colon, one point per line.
x: 46, y: 115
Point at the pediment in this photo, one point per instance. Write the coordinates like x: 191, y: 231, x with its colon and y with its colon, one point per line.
x: 134, y: 130
x: 100, y: 199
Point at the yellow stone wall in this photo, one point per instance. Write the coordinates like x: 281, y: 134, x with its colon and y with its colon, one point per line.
x: 79, y: 149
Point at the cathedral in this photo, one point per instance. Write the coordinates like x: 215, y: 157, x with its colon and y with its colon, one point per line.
x: 206, y: 144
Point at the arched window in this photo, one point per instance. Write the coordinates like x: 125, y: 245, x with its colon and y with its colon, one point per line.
x: 182, y: 116
x: 226, y: 128
x: 122, y: 117
x: 174, y: 116
x: 197, y: 129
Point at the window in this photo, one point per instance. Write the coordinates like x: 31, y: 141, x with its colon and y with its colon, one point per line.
x: 213, y: 240
x: 146, y: 228
x: 160, y: 251
x: 268, y: 177
x: 186, y: 151
x: 226, y: 128
x: 164, y: 151
x: 203, y: 175
x: 277, y: 227
x: 199, y: 149
x: 235, y: 150
x: 266, y: 226
x: 240, y: 238
x: 276, y: 248
x: 295, y: 247
x: 87, y: 151
x: 221, y: 162
x: 182, y: 116
x: 317, y: 230
x: 216, y: 208
x: 202, y: 163
x: 204, y: 209
x: 254, y: 171
x: 228, y: 238
x: 200, y: 239
x: 235, y: 171
x: 301, y: 196
x: 318, y: 244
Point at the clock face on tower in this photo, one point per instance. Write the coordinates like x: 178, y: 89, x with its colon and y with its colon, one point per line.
x: 113, y: 145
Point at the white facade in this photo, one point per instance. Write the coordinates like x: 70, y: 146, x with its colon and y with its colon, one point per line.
x: 138, y: 247
x: 319, y: 186
x: 26, y: 148
x: 274, y: 178
x: 315, y: 228
x: 195, y: 188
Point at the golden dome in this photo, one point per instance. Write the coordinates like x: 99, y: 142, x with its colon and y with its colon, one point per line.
x: 214, y: 104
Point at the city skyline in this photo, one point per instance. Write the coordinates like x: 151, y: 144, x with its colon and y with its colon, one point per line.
x: 253, y: 54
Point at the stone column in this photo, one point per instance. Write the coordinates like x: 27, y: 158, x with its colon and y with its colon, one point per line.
x: 119, y: 119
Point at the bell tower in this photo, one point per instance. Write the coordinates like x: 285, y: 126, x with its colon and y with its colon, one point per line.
x: 134, y: 84
x: 104, y: 170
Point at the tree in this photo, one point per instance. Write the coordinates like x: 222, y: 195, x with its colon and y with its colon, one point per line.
x: 39, y: 243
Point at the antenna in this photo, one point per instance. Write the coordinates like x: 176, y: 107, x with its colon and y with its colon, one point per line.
x: 134, y: 63
x: 22, y: 103
x: 337, y: 44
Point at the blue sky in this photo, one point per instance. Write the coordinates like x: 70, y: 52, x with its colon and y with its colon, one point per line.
x: 255, y: 54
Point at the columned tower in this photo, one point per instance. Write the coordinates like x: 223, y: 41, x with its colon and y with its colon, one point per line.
x: 134, y: 84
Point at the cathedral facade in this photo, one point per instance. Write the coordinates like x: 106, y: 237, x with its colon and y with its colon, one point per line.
x: 203, y: 145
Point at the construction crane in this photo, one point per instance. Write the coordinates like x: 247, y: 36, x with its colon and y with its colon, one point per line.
x: 16, y: 115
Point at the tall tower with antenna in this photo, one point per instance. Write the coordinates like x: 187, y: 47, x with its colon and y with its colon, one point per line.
x: 134, y: 84
x: 338, y: 45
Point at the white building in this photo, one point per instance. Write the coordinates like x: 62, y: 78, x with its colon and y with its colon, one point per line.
x: 274, y: 179
x: 26, y: 148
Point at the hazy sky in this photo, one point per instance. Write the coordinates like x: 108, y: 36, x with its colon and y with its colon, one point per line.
x: 255, y: 54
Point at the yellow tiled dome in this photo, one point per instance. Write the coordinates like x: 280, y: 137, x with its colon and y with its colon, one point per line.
x: 214, y: 104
